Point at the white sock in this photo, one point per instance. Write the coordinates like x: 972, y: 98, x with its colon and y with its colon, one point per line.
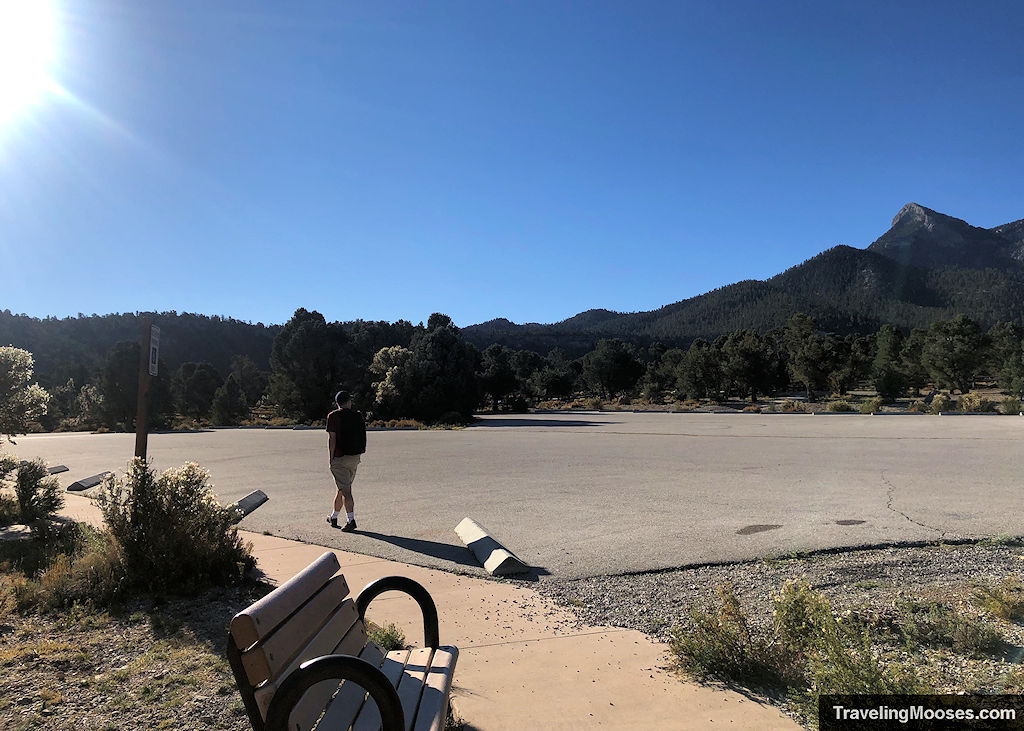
x: 351, y: 517
x: 334, y: 515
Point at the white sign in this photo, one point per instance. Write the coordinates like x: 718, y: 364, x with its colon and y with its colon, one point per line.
x: 154, y: 349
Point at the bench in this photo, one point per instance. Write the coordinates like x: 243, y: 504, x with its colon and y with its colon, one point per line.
x: 301, y: 658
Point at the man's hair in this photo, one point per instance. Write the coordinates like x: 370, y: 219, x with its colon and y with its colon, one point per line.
x: 342, y: 397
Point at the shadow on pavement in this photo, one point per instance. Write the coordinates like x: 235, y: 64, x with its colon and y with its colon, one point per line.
x: 512, y: 421
x: 443, y: 551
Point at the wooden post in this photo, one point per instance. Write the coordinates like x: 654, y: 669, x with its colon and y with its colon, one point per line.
x: 142, y: 410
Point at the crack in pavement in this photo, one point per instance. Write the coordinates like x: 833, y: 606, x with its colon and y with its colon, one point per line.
x: 890, y: 495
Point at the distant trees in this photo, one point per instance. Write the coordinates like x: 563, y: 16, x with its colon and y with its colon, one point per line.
x: 433, y: 374
x: 954, y: 352
x: 806, y: 350
x: 498, y: 377
x: 612, y: 367
x: 887, y: 373
x: 194, y: 386
x: 306, y: 365
x: 432, y: 380
x: 21, y: 401
x: 749, y: 363
x: 228, y: 406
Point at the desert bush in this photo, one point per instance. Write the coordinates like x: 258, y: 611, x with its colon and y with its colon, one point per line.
x: 918, y: 406
x: 38, y: 494
x: 791, y: 407
x: 388, y: 638
x: 752, y: 409
x: 1004, y: 600
x: 1010, y: 405
x: 942, y: 402
x: 74, y: 565
x: 593, y: 404
x: 976, y: 402
x: 396, y: 424
x: 174, y: 536
x: 936, y: 625
x: 810, y: 652
x: 872, y: 404
x: 841, y: 406
x: 688, y: 405
x: 720, y: 645
x: 9, y: 512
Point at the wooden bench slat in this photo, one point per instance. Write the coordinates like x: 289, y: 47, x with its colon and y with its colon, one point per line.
x: 393, y: 668
x: 324, y: 643
x: 259, y: 620
x: 276, y: 652
x: 311, y: 706
x: 411, y: 686
x: 433, y: 710
x: 345, y: 706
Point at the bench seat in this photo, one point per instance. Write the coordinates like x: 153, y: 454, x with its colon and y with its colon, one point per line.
x: 301, y: 659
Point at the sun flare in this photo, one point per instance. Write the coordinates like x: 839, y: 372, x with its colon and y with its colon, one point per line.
x: 27, y: 49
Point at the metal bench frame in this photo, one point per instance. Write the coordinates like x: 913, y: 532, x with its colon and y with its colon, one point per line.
x: 338, y: 667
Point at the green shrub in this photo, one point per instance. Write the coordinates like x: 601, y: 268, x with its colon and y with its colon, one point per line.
x: 942, y: 402
x: 799, y: 613
x: 720, y: 645
x: 1010, y: 405
x: 1006, y: 600
x: 840, y: 406
x: 9, y: 512
x: 38, y: 494
x: 935, y: 625
x: 871, y: 405
x: 976, y: 402
x: 76, y: 565
x: 174, y: 536
x: 389, y: 637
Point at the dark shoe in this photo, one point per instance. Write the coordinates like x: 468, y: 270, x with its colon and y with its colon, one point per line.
x: 332, y: 521
x: 349, y: 526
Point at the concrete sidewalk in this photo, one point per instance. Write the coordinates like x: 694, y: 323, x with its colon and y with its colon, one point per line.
x: 525, y: 662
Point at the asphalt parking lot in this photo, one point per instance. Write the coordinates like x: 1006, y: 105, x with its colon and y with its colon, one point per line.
x: 587, y: 494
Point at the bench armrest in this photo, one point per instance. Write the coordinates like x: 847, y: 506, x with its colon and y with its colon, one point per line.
x: 404, y: 584
x: 336, y: 667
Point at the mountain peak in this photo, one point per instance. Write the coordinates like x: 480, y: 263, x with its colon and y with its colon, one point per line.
x: 922, y: 237
x: 911, y: 212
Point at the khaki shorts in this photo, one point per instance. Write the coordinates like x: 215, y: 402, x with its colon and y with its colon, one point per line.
x: 344, y: 471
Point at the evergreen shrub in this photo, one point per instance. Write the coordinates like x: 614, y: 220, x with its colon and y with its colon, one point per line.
x: 175, y: 537
x: 976, y: 402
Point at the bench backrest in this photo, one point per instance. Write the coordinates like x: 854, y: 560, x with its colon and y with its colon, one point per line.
x: 301, y: 619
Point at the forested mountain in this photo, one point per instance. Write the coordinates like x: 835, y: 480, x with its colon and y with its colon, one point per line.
x: 75, y: 347
x: 927, y: 267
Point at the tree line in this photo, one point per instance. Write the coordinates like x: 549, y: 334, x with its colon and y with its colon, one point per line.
x: 433, y: 374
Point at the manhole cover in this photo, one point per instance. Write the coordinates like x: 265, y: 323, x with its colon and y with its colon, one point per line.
x: 750, y: 529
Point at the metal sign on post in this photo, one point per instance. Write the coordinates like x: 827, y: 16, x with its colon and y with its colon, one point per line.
x: 154, y: 349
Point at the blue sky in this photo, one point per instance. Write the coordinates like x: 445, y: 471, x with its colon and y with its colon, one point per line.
x: 529, y: 160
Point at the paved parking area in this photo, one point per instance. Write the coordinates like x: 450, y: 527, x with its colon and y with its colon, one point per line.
x: 584, y: 494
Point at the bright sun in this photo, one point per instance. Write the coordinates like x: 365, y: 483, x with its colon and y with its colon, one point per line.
x: 27, y: 49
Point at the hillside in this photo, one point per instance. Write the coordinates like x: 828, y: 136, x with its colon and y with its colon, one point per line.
x: 927, y: 266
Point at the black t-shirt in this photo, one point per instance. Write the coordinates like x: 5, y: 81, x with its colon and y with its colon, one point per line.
x: 351, y: 431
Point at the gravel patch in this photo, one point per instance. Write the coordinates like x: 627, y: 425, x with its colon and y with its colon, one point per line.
x: 656, y: 602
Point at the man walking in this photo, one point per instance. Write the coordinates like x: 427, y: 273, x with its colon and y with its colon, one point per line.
x: 346, y: 432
